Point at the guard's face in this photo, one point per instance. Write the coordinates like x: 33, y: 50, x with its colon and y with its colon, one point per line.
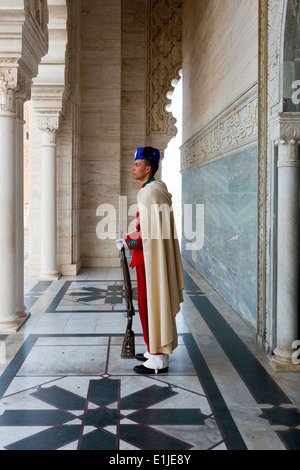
x: 139, y: 170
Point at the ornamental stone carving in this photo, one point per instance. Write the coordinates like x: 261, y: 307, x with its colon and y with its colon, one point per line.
x: 8, y: 84
x: 49, y: 125
x: 164, y: 63
x: 285, y: 131
x: 285, y: 127
x: 235, y: 127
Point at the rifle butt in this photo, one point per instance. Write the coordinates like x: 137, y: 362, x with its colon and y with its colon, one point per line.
x: 128, y: 348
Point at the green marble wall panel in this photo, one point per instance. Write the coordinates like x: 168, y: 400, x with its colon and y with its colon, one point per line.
x: 228, y: 259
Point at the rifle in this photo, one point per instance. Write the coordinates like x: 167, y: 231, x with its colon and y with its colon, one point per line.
x: 128, y: 348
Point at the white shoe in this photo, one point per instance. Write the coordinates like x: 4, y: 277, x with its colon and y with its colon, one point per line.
x: 157, y: 362
x: 154, y: 365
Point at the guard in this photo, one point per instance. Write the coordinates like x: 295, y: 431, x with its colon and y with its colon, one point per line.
x: 156, y: 257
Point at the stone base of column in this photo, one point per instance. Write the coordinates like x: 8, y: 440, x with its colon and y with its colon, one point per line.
x: 14, y: 326
x: 21, y: 311
x: 49, y: 277
x: 281, y: 361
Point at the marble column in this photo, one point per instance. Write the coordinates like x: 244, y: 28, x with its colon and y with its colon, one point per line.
x: 23, y: 42
x: 8, y: 316
x: 49, y: 127
x: 12, y: 309
x: 19, y: 140
x: 286, y: 133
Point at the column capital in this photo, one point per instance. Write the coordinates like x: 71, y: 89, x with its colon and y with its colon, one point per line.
x: 49, y: 125
x: 14, y: 89
x: 285, y: 128
x: 8, y: 85
x: 285, y: 132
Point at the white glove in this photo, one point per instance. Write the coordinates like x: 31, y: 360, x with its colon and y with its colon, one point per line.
x: 121, y: 243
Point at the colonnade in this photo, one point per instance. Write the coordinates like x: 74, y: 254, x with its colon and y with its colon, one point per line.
x: 33, y: 39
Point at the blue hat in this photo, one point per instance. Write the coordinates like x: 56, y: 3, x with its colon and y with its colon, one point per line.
x: 147, y: 153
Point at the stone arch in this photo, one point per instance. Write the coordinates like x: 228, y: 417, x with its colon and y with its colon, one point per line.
x: 54, y: 70
x: 164, y: 66
x: 290, y: 56
x: 166, y: 98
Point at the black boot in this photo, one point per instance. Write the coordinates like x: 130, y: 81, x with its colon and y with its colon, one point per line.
x: 146, y: 371
x: 140, y: 357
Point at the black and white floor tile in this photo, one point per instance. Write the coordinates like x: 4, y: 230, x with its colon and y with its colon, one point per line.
x: 64, y: 385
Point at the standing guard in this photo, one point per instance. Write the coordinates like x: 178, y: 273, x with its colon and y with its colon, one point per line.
x: 156, y: 257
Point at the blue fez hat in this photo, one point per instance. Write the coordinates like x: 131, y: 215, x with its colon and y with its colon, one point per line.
x: 147, y: 153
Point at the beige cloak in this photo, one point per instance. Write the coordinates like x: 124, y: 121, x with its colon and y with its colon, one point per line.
x: 163, y: 265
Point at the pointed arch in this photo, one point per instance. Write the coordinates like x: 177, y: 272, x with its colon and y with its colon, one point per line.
x: 164, y: 66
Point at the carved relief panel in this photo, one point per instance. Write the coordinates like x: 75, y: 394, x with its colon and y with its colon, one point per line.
x: 164, y: 63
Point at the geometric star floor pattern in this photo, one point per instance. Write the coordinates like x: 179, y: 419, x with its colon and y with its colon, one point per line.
x: 63, y: 384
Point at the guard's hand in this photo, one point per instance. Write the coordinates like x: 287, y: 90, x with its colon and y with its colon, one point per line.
x: 121, y: 243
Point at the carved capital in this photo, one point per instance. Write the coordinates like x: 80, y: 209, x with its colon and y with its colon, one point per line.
x: 49, y: 125
x: 285, y: 132
x: 8, y: 85
x: 285, y: 128
x: 14, y: 89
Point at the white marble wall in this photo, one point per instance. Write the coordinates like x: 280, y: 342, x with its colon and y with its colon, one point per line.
x: 101, y: 124
x: 219, y: 151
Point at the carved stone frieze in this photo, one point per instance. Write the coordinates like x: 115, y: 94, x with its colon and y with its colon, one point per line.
x: 234, y: 128
x: 164, y: 64
x: 275, y: 11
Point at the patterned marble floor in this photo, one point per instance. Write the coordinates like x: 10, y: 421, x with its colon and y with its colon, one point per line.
x: 63, y: 384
